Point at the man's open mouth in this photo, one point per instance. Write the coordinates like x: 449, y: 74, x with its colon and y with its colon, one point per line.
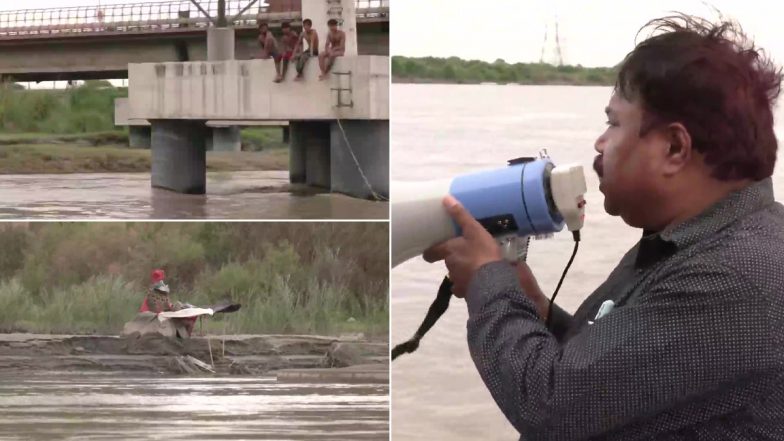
x: 598, y: 167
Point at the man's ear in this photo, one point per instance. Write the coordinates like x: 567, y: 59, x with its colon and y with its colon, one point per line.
x: 680, y: 150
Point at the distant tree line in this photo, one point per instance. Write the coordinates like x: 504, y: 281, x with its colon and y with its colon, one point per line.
x: 458, y: 71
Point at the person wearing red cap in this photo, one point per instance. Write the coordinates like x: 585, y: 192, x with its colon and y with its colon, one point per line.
x: 157, y: 300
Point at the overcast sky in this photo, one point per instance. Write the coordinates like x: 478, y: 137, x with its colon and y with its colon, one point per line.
x: 592, y: 33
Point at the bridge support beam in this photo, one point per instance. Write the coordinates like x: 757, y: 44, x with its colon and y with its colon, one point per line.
x: 220, y: 44
x: 179, y: 158
x: 369, y: 140
x: 220, y: 47
x: 139, y: 137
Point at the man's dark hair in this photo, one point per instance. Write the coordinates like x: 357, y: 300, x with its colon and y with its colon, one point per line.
x: 710, y: 78
x: 263, y: 24
x: 285, y: 25
x: 307, y: 21
x: 332, y: 21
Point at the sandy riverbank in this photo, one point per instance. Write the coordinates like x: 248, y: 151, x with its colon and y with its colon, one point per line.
x: 254, y: 355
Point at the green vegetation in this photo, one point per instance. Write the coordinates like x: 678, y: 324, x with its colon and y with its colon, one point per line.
x: 52, y: 158
x: 262, y: 138
x: 289, y: 277
x: 84, y: 109
x: 457, y: 71
x: 116, y: 137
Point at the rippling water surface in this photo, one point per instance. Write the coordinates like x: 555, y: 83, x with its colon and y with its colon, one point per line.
x: 230, y: 195
x: 103, y: 407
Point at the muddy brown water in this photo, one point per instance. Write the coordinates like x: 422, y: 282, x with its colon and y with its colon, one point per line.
x: 230, y: 195
x: 59, y: 406
x: 78, y: 387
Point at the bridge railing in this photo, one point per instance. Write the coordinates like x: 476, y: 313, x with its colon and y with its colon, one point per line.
x: 171, y: 15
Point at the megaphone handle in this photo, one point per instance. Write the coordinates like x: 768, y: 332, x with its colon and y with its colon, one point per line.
x: 436, y: 310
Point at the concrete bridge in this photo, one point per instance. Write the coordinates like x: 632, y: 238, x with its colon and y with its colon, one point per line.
x: 339, y: 127
x: 91, y: 42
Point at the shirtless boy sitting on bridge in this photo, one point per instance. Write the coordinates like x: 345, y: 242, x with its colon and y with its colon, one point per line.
x: 309, y: 36
x: 335, y: 47
x: 269, y: 48
x: 290, y: 42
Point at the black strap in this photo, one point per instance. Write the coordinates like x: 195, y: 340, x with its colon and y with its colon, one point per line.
x: 436, y: 310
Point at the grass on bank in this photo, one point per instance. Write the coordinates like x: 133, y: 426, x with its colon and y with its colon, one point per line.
x: 274, y: 304
x: 83, y: 109
x: 64, y: 158
x: 105, y: 138
x: 262, y: 138
x: 298, y: 278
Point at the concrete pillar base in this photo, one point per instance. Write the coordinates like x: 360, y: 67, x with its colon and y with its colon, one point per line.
x: 297, y: 152
x: 320, y: 157
x: 370, y: 142
x: 139, y: 137
x: 309, y: 158
x: 179, y: 158
x: 226, y: 139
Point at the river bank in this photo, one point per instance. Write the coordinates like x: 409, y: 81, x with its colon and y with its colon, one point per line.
x: 70, y: 158
x: 348, y: 358
x: 263, y: 149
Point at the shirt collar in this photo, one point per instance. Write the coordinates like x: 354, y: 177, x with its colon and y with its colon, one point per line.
x: 735, y: 206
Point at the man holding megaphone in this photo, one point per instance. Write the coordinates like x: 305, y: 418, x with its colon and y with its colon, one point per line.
x: 685, y: 339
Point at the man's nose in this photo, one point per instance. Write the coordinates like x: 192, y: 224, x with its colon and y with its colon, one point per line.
x: 599, y: 144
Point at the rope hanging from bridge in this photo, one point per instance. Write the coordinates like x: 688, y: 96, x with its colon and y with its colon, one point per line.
x: 375, y: 195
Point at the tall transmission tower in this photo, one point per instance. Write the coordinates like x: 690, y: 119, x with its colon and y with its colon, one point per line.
x: 552, y: 46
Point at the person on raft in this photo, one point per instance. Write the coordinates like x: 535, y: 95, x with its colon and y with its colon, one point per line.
x: 157, y: 299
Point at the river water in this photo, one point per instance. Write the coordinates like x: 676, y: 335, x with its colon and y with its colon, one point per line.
x: 442, y: 130
x: 230, y: 195
x: 103, y: 407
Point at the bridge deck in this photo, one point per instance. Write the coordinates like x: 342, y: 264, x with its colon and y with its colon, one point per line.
x: 173, y: 16
x: 243, y: 90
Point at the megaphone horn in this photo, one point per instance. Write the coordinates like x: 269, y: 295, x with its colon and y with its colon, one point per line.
x: 528, y: 197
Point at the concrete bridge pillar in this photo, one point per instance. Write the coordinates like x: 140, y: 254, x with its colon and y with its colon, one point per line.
x: 369, y: 140
x: 309, y: 158
x: 297, y: 152
x: 179, y: 158
x: 139, y: 137
x: 226, y: 139
x: 220, y: 47
x: 220, y: 44
x: 319, y: 156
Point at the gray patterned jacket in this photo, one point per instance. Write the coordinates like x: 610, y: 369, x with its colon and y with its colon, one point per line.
x: 693, y: 349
